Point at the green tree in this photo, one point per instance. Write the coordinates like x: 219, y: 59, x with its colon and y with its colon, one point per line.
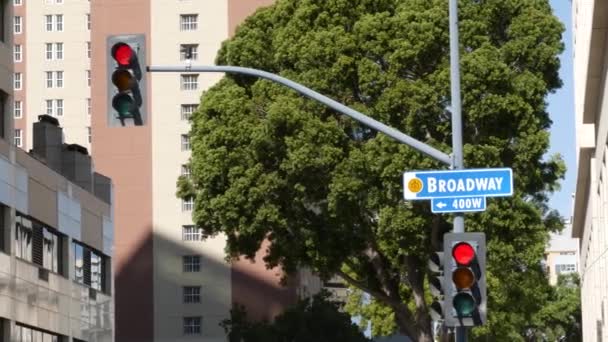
x: 560, y: 319
x: 269, y: 164
x: 317, y: 319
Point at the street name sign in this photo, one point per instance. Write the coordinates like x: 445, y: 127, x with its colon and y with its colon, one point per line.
x: 424, y: 185
x: 458, y: 204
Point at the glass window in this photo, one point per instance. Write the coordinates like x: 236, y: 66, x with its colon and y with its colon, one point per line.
x: 185, y: 142
x: 88, y: 106
x: 192, y: 294
x: 88, y: 49
x: 17, y: 53
x: 88, y: 73
x: 189, y: 82
x: 187, y: 110
x: 49, y: 79
x: 187, y: 203
x: 192, y: 263
x: 88, y: 19
x: 59, y: 107
x: 78, y: 263
x: 49, y: 107
x: 188, y: 22
x: 185, y: 170
x: 192, y: 233
x: 17, y: 24
x: 188, y: 50
x: 89, y: 134
x: 17, y: 137
x: 49, y: 51
x: 59, y: 79
x: 18, y: 109
x: 48, y: 22
x: 38, y: 243
x: 17, y: 2
x: 59, y: 50
x: 17, y: 81
x: 89, y: 267
x: 59, y: 22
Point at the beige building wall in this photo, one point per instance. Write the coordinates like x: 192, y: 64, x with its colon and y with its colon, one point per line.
x: 168, y: 156
x: 74, y: 64
x: 590, y: 220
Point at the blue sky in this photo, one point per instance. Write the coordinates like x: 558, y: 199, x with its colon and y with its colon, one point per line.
x: 561, y: 109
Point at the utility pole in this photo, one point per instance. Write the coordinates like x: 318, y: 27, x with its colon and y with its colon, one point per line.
x: 456, y: 109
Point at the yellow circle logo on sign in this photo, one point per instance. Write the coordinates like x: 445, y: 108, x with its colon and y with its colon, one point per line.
x: 414, y: 185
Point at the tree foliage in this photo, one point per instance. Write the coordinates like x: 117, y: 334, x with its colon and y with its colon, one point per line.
x: 269, y: 164
x: 314, y: 319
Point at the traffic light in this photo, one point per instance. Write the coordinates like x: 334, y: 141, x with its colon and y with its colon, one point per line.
x: 126, y: 81
x: 465, y: 279
x: 436, y: 280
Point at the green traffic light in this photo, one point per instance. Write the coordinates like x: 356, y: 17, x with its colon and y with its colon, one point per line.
x: 123, y: 104
x: 464, y: 304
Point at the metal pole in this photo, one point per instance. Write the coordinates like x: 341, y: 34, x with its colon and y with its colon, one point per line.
x: 458, y: 161
x: 364, y: 119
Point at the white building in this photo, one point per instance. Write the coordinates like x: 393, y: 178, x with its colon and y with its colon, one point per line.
x: 590, y: 221
x: 561, y: 255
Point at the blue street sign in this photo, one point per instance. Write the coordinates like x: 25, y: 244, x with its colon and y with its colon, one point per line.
x: 458, y: 204
x: 418, y: 185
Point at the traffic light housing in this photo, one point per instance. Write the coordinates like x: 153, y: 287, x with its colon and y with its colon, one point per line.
x: 465, y: 279
x: 436, y: 279
x: 126, y: 80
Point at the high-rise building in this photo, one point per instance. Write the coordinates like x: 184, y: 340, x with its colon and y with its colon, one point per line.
x: 172, y: 284
x: 590, y: 221
x: 56, y: 228
x: 51, y: 54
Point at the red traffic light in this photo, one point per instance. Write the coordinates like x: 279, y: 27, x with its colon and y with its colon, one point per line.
x: 463, y: 253
x: 122, y: 53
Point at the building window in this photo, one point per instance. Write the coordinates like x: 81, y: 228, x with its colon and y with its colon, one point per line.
x: 185, y: 142
x: 59, y: 79
x: 88, y: 20
x: 88, y: 106
x: 48, y: 22
x: 27, y: 334
x: 189, y: 82
x: 17, y: 81
x: 192, y: 233
x: 192, y: 294
x: 38, y: 244
x: 192, y: 325
x: 59, y: 107
x: 17, y: 137
x: 59, y: 22
x: 17, y: 24
x: 185, y: 170
x: 49, y: 79
x: 187, y: 203
x: 49, y: 107
x: 89, y: 266
x: 59, y: 51
x: 188, y: 50
x: 17, y: 53
x: 192, y: 263
x: 187, y: 110
x: 49, y: 51
x: 17, y: 2
x: 188, y: 22
x: 565, y: 268
x: 88, y: 49
x: 88, y: 73
x: 18, y: 109
x: 89, y: 134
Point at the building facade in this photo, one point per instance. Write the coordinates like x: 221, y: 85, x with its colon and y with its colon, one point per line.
x: 51, y: 55
x: 590, y: 220
x: 172, y: 283
x: 561, y: 255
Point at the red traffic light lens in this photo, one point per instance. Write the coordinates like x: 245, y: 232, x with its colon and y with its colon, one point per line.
x: 122, y: 53
x: 463, y: 253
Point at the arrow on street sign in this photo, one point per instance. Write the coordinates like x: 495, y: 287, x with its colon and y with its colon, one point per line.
x: 458, y: 204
